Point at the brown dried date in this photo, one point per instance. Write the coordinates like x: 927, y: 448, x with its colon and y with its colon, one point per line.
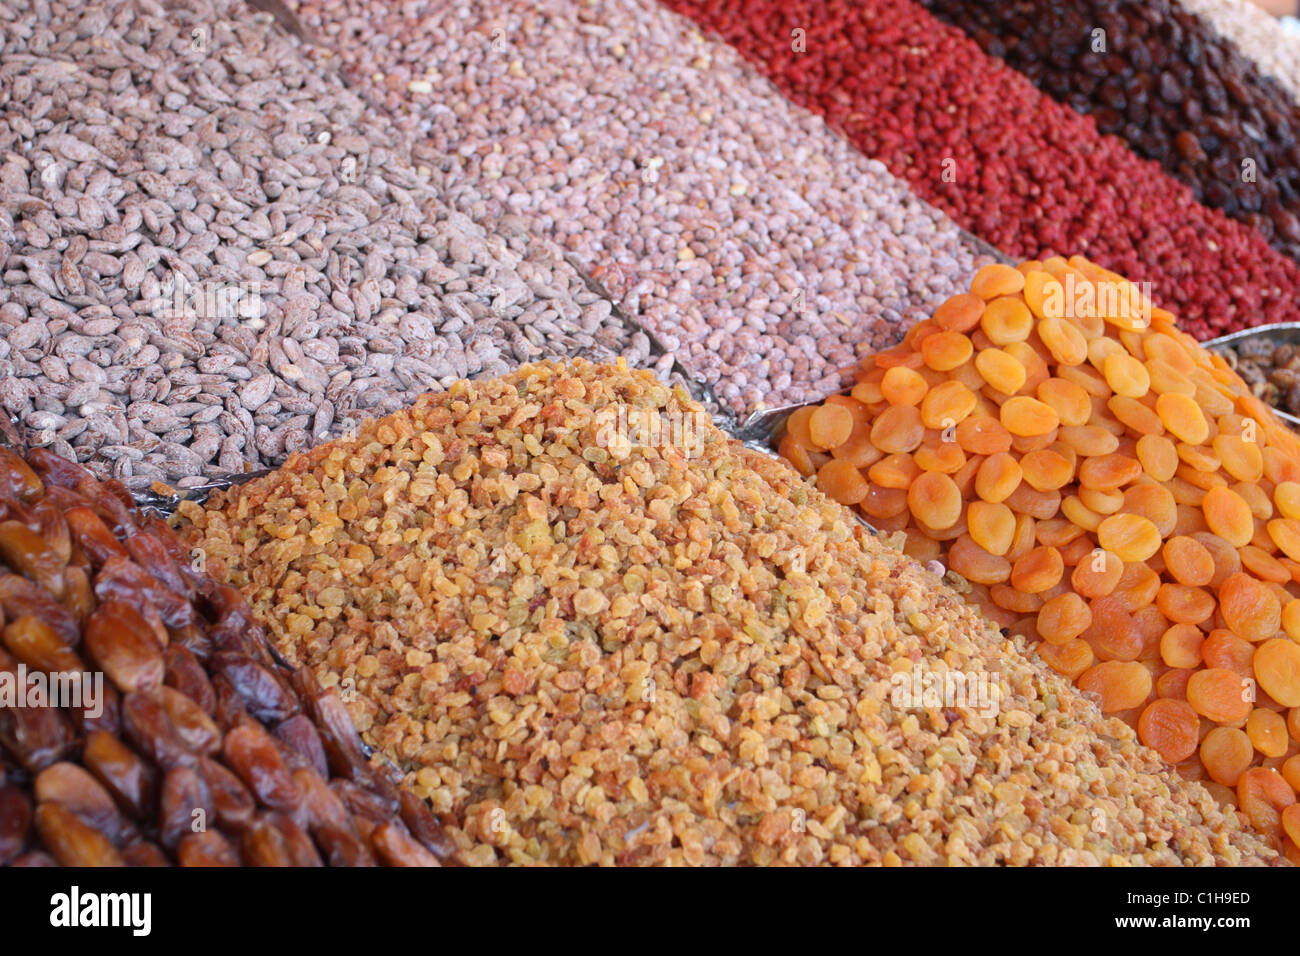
x: 53, y: 529
x: 150, y: 731
x: 17, y: 479
x: 343, y: 847
x: 321, y: 807
x: 396, y: 847
x: 252, y: 754
x: 131, y: 781
x: 78, y: 597
x: 34, y: 643
x: 123, y: 644
x: 234, y: 804
x: 111, y: 501
x: 36, y: 736
x: 35, y: 858
x: 301, y: 850
x: 230, y: 706
x: 364, y: 803
x: 144, y: 853
x: 337, y: 732
x: 92, y: 536
x: 150, y: 554
x: 71, y: 786
x: 123, y: 580
x: 263, y: 844
x: 186, y: 806
x: 186, y: 674
x: 71, y: 840
x: 55, y: 469
x: 425, y: 828
x: 18, y: 596
x: 196, y: 728
x: 15, y: 821
x: 300, y: 736
x: 208, y: 848
x: 27, y: 553
x: 264, y: 695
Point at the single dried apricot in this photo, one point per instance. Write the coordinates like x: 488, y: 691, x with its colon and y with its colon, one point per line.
x: 1039, y: 569
x: 796, y: 454
x: 992, y: 526
x: 1219, y: 695
x: 1097, y: 575
x: 1267, y: 732
x: 1182, y: 416
x: 1100, y: 501
x: 975, y: 564
x: 944, y: 351
x: 1108, y: 472
x: 1155, y: 503
x: 1120, y: 685
x: 1080, y: 514
x: 1071, y: 658
x: 1226, y: 753
x: 947, y: 405
x: 994, y: 280
x: 842, y: 481
x: 959, y: 313
x: 1158, y: 456
x: 1006, y: 319
x: 1173, y: 683
x: 1131, y: 537
x: 898, y: 429
x: 1250, y: 608
x: 1114, y: 633
x: 1028, y: 416
x: 1007, y: 597
x: 1227, y: 559
x: 1126, y: 375
x: 1063, y: 618
x: 1228, y: 516
x: 880, y: 502
x: 1134, y: 415
x: 1064, y: 341
x: 1188, y: 561
x: 1037, y: 504
x: 1242, y: 459
x: 934, y: 500
x: 829, y: 426
x: 1263, y: 565
x: 1046, y: 470
x: 895, y: 471
x: 1277, y: 668
x: 1285, y: 533
x: 1183, y: 604
x: 1262, y: 796
x: 1088, y: 440
x: 1287, y: 498
x: 1072, y: 403
x: 1222, y: 648
x: 1001, y: 370
x: 982, y: 435
x: 944, y: 457
x: 998, y: 476
x: 1291, y: 619
x: 903, y: 386
x: 1180, y: 646
x: 1170, y: 728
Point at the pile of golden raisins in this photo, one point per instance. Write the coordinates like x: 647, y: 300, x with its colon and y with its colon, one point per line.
x: 1108, y: 488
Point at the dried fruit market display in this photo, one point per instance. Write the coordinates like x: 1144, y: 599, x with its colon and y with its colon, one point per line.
x: 1110, y: 490
x: 188, y: 744
x: 585, y: 649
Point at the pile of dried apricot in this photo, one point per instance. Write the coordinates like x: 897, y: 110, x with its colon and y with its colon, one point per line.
x: 1108, y: 488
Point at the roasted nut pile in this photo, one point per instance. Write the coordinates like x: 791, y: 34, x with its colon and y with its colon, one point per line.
x: 1166, y: 83
x: 588, y: 638
x: 224, y: 266
x: 924, y: 99
x: 143, y: 721
x: 764, y: 249
x: 1272, y: 371
x: 1109, y: 488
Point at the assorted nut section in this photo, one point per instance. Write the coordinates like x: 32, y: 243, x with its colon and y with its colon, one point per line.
x: 143, y: 720
x: 1270, y: 369
x: 1108, y: 488
x: 765, y: 250
x: 588, y: 644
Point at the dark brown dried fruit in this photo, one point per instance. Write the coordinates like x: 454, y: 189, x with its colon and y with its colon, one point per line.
x: 150, y: 731
x: 27, y: 553
x: 299, y: 734
x: 15, y: 821
x: 196, y: 728
x: 186, y: 806
x: 264, y: 845
x: 72, y: 787
x: 208, y: 848
x: 343, y: 847
x: 185, y: 674
x: 18, y: 596
x: 252, y: 754
x: 144, y: 853
x: 265, y: 697
x: 301, y: 850
x: 36, y: 736
x: 92, y: 536
x: 131, y: 781
x: 17, y: 479
x: 71, y: 840
x: 396, y: 847
x: 121, y: 642
x: 34, y: 643
x: 123, y: 580
x: 420, y: 821
x: 234, y: 804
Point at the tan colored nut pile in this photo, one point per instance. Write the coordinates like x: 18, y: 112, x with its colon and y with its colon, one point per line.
x: 654, y: 659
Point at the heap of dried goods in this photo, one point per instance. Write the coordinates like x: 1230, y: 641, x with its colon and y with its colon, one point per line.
x: 593, y: 630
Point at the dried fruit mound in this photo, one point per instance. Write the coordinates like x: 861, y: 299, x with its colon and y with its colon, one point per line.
x: 184, y: 742
x: 590, y: 650
x: 1006, y: 162
x: 1169, y: 85
x: 1111, y: 489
